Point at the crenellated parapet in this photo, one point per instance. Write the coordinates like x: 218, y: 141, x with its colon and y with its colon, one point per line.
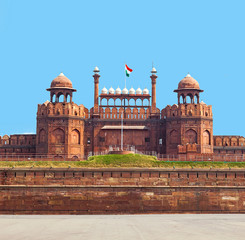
x: 187, y: 110
x: 18, y: 140
x: 18, y: 144
x: 49, y: 109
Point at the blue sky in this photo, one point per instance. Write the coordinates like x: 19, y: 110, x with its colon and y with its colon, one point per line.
x: 39, y: 39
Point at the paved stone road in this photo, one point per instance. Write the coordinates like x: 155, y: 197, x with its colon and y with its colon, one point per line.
x: 120, y: 227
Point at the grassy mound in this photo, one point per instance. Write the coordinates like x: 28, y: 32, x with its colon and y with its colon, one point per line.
x: 120, y: 161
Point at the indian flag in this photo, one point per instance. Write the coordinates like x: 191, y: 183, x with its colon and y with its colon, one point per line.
x: 128, y: 70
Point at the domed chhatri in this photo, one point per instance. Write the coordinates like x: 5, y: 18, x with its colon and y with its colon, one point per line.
x: 111, y: 90
x: 188, y: 82
x: 188, y: 90
x: 104, y: 91
x: 131, y: 90
x: 125, y: 91
x: 61, y: 82
x: 145, y: 91
x: 118, y: 91
x: 138, y: 91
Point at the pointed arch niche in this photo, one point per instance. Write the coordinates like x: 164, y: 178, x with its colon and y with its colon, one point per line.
x: 75, y: 137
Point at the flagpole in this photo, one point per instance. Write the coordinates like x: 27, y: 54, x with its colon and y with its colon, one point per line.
x: 122, y: 134
x: 122, y: 120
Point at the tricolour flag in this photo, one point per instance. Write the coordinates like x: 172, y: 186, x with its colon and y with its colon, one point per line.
x: 128, y: 70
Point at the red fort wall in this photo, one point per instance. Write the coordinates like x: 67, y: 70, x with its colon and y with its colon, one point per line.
x: 105, y: 191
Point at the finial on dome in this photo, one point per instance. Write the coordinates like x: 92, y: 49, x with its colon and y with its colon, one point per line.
x: 188, y: 75
x: 153, y: 71
x: 111, y: 91
x: 61, y: 74
x: 96, y: 69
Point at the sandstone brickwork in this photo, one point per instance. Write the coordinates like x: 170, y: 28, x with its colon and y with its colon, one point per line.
x: 106, y: 191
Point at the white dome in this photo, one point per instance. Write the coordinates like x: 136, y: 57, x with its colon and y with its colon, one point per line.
x: 111, y: 91
x: 138, y: 91
x: 125, y: 91
x: 104, y: 91
x: 131, y: 91
x: 96, y: 69
x: 118, y: 91
x: 145, y: 91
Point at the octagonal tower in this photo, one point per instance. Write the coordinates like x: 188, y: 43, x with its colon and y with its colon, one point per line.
x: 60, y: 122
x: 189, y: 125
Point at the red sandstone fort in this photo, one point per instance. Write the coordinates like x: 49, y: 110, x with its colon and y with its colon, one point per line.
x: 69, y: 131
x: 65, y: 129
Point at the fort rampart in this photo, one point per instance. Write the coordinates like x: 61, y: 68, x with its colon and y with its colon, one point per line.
x: 121, y: 191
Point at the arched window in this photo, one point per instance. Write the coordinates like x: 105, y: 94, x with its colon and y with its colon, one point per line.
x: 111, y: 102
x: 58, y: 136
x: 131, y: 102
x: 182, y: 99
x: 241, y: 141
x: 68, y: 98
x: 75, y: 136
x: 173, y: 137
x: 118, y: 102
x: 42, y: 135
x: 189, y: 98
x: 218, y: 141
x: 191, y: 136
x: 226, y: 141
x: 61, y: 98
x: 206, y: 138
x: 196, y: 99
x: 103, y: 101
x: 145, y: 102
x: 138, y: 102
x: 53, y: 98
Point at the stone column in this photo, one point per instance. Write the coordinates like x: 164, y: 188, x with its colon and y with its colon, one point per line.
x: 153, y: 91
x: 96, y: 77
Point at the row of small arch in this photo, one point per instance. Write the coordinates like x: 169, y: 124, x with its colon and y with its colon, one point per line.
x: 129, y: 113
x: 229, y: 141
x: 188, y: 98
x: 128, y: 102
x: 61, y: 97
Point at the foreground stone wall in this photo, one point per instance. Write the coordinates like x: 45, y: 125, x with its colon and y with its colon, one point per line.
x: 121, y: 191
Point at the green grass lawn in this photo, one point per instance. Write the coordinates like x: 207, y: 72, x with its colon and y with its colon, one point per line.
x: 113, y: 160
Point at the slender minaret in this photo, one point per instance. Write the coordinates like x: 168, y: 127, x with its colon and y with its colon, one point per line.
x: 153, y: 91
x: 96, y: 77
